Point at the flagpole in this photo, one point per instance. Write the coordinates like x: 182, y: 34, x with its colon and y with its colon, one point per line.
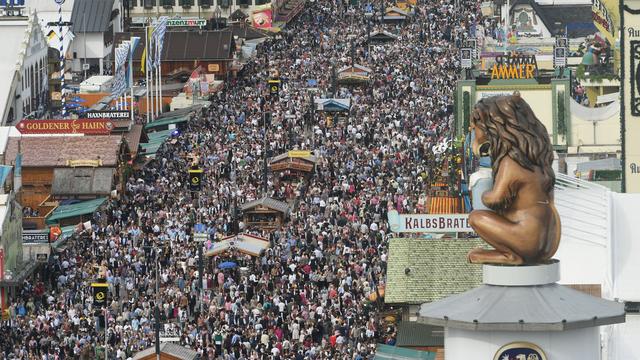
x: 160, y: 80
x: 151, y: 85
x: 152, y: 97
x: 131, y: 79
x: 158, y: 100
x: 146, y: 68
x: 62, y: 98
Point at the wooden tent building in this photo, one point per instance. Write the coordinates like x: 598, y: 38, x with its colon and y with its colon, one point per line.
x: 294, y: 164
x: 382, y: 37
x: 265, y: 213
x: 355, y: 74
x: 395, y: 15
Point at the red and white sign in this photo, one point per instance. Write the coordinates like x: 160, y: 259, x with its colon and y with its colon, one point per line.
x: 77, y: 126
x: 428, y: 223
x: 262, y: 19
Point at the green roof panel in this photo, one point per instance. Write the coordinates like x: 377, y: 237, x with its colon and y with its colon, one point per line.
x: 77, y: 209
x: 437, y: 268
x: 162, y: 134
x: 386, y: 352
x: 166, y: 122
x: 414, y: 334
x: 150, y: 148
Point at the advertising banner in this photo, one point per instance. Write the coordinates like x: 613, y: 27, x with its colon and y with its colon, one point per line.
x: 195, y: 179
x: 187, y: 22
x: 274, y: 86
x: 77, y: 126
x: 99, y: 293
x: 299, y: 153
x: 428, y: 223
x: 631, y: 96
x: 262, y: 18
x: 606, y: 18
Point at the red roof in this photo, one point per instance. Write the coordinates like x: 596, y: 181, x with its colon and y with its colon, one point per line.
x: 444, y: 205
x: 56, y: 150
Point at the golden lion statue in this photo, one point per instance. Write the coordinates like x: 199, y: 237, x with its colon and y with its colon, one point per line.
x: 524, y: 226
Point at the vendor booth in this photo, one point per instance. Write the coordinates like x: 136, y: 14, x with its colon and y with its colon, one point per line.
x: 265, y: 213
x: 356, y: 74
x: 294, y: 164
x: 334, y: 109
x: 395, y: 15
x: 382, y: 36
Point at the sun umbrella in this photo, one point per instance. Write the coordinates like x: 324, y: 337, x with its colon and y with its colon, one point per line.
x: 227, y: 265
x: 78, y: 99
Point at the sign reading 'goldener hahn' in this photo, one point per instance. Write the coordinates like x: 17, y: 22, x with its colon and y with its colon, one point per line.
x: 78, y: 126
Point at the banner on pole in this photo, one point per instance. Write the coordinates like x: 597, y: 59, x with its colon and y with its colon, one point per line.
x: 100, y: 293
x: 158, y: 38
x: 274, y: 86
x: 195, y: 179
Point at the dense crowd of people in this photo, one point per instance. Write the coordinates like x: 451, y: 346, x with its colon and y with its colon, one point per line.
x: 309, y: 295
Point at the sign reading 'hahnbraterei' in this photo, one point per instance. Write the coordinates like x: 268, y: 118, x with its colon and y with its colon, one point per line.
x: 116, y: 114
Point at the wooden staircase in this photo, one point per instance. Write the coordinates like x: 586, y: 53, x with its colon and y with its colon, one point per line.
x: 288, y: 9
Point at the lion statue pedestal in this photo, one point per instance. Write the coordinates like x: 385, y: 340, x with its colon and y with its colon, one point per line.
x: 522, y: 311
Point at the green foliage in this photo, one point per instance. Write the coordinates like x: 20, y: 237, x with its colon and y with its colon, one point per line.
x: 580, y: 72
x: 455, y: 106
x: 607, y: 175
x: 594, y: 77
x: 562, y: 122
x: 466, y: 106
x: 458, y: 142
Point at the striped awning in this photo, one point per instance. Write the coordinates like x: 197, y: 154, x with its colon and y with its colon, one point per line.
x: 444, y: 205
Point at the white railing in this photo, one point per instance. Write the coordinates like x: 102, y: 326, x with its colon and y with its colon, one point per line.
x: 585, y: 210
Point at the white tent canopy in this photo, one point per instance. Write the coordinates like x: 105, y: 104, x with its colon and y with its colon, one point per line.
x: 594, y: 114
x: 245, y: 243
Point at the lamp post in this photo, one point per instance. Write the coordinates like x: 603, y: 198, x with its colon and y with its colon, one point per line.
x: 156, y: 310
x: 369, y: 15
x: 353, y: 49
x: 506, y: 27
x: 265, y: 182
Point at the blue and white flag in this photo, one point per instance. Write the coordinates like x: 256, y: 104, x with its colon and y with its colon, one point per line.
x: 135, y: 40
x: 158, y: 38
x: 122, y: 52
x: 119, y: 79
